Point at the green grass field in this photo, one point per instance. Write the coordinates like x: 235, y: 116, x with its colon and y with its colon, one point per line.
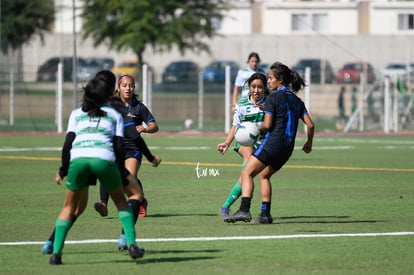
x: 346, y: 208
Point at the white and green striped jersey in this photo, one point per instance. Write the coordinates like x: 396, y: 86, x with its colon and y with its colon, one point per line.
x: 247, y: 110
x: 94, y: 135
x: 242, y: 77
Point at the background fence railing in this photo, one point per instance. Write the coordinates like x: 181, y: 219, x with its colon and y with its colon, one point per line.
x: 32, y: 106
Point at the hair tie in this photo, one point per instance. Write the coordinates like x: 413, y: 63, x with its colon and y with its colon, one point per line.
x: 125, y: 75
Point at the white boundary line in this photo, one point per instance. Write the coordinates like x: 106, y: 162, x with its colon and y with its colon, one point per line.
x: 202, y: 239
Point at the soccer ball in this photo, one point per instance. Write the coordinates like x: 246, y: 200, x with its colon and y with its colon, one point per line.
x: 247, y: 133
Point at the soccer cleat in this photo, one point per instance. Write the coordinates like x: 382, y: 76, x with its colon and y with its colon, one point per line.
x: 224, y: 212
x: 122, y: 243
x: 143, y: 209
x: 55, y: 259
x: 101, y: 209
x: 263, y: 219
x: 136, y: 251
x: 47, y: 248
x: 239, y: 216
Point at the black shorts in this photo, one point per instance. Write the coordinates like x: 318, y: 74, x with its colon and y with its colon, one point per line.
x: 136, y: 154
x: 276, y: 162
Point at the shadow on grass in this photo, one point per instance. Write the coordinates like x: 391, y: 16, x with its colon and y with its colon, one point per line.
x: 173, y: 259
x: 147, y: 252
x: 149, y: 260
x: 182, y: 251
x: 320, y: 219
x: 140, y: 261
x: 312, y: 220
x: 181, y: 215
x: 169, y: 215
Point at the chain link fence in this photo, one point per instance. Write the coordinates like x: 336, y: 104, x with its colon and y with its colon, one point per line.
x: 32, y: 106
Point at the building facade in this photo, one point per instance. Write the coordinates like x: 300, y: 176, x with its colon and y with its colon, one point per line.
x: 376, y: 31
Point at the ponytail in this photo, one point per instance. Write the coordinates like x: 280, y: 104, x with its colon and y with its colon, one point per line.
x: 297, y: 82
x: 287, y: 76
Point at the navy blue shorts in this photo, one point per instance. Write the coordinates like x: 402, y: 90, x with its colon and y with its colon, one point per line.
x: 136, y: 154
x: 276, y: 162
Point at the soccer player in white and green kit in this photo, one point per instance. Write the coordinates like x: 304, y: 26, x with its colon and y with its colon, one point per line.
x: 93, y: 147
x: 241, y: 89
x: 249, y: 108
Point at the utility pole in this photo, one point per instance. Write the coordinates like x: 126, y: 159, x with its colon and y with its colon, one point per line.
x: 74, y: 60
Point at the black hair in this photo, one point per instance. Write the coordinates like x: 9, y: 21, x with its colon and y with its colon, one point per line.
x: 287, y: 76
x: 261, y: 77
x: 96, y: 93
x: 107, y: 76
x: 253, y: 54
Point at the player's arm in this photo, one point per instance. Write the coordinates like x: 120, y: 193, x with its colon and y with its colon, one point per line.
x: 152, y: 127
x: 267, y: 123
x: 236, y: 92
x: 67, y: 146
x: 310, y: 130
x: 118, y: 144
x: 222, y: 147
x: 131, y: 133
x: 148, y: 118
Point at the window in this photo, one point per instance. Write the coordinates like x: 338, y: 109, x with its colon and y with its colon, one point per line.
x: 303, y: 22
x: 300, y: 22
x: 216, y: 23
x: 405, y: 22
x: 319, y: 22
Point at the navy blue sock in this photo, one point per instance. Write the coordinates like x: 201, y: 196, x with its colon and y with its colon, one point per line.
x: 265, y: 208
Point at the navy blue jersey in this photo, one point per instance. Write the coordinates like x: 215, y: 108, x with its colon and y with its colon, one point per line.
x: 134, y: 114
x: 286, y: 109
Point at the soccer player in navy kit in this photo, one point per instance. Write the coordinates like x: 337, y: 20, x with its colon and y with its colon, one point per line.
x: 249, y: 108
x: 283, y: 109
x: 136, y: 114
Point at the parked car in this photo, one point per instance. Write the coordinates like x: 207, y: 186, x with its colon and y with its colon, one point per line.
x: 321, y: 70
x: 180, y: 72
x: 47, y: 71
x: 264, y: 66
x: 130, y: 67
x: 398, y: 69
x: 215, y: 72
x: 94, y: 65
x: 126, y: 67
x: 351, y: 73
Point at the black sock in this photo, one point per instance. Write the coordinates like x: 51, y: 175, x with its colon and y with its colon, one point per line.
x: 245, y: 204
x: 134, y: 204
x: 52, y: 236
x: 103, y: 194
x: 140, y: 185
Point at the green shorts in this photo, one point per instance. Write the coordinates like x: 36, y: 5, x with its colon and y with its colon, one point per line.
x: 255, y: 146
x: 80, y: 169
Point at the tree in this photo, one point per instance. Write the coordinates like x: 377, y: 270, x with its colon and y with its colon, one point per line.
x: 22, y: 19
x: 162, y: 24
